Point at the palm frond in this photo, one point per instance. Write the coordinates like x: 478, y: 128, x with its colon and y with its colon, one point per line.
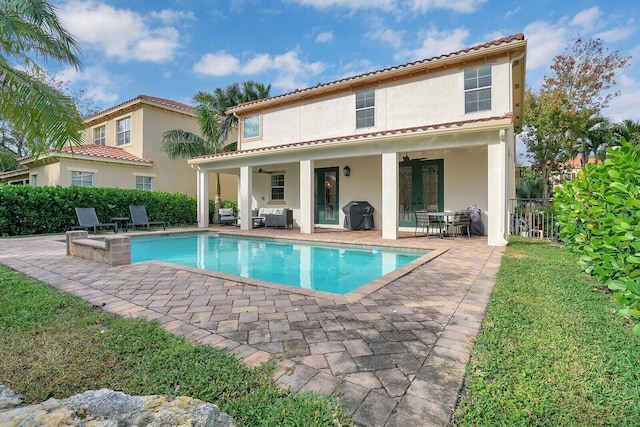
x: 46, y: 116
x: 181, y: 144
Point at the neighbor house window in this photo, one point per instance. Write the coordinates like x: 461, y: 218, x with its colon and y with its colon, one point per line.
x: 251, y: 126
x: 277, y: 187
x: 365, y: 108
x: 34, y: 180
x: 82, y: 179
x: 143, y: 182
x: 477, y: 89
x: 123, y: 131
x: 98, y: 136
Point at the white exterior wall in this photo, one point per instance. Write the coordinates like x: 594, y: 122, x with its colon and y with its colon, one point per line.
x: 426, y: 99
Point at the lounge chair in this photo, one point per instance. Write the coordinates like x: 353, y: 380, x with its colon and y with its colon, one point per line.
x: 87, y: 218
x: 227, y: 216
x: 139, y: 218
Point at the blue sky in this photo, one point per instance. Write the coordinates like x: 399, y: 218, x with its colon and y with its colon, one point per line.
x: 174, y: 48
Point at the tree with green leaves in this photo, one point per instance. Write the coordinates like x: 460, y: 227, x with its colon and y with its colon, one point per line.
x: 215, y: 124
x: 560, y: 116
x: 30, y: 30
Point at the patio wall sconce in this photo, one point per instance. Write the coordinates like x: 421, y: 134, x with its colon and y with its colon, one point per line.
x: 346, y: 170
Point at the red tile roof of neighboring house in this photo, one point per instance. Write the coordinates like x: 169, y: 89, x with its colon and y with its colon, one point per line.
x: 576, y: 162
x: 516, y: 37
x: 361, y: 136
x: 102, y: 151
x: 152, y: 99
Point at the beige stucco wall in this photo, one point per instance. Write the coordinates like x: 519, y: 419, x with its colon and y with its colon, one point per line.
x: 427, y: 99
x: 148, y: 124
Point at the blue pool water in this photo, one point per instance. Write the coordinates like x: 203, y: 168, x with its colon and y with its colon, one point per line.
x: 327, y: 268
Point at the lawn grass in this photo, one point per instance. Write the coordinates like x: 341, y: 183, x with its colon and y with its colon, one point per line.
x: 551, y: 350
x: 55, y: 345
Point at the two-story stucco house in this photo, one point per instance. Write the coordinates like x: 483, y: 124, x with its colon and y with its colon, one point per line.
x: 121, y: 148
x: 435, y: 134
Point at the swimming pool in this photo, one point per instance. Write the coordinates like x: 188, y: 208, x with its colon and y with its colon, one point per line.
x: 329, y: 268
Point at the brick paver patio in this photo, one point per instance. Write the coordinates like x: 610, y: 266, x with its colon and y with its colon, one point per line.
x: 392, y: 357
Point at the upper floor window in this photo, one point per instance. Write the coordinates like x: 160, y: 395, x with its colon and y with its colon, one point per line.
x: 477, y: 89
x: 34, y: 179
x: 82, y: 179
x: 143, y: 182
x: 251, y: 126
x: 365, y: 108
x: 123, y: 131
x: 99, y: 135
x: 277, y: 187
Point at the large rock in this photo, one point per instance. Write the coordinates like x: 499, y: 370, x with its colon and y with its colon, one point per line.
x: 108, y: 408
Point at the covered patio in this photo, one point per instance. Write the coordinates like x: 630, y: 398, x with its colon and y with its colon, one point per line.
x: 445, y: 167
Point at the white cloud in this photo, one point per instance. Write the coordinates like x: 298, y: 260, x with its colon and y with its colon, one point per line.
x: 386, y: 35
x: 169, y: 16
x: 615, y: 34
x: 587, y: 19
x: 544, y: 41
x: 625, y: 106
x: 461, y: 6
x: 289, y: 69
x: 120, y: 34
x: 436, y: 43
x: 99, y: 86
x: 324, y: 37
x: 422, y: 6
x: 217, y: 64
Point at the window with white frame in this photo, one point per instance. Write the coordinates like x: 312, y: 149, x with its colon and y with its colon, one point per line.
x: 144, y: 183
x: 99, y: 135
x: 123, y: 131
x: 365, y: 108
x: 251, y: 126
x: 82, y: 179
x: 34, y: 179
x: 277, y: 187
x: 477, y: 89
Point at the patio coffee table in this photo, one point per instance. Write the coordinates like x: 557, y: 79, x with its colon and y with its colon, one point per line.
x: 121, y: 222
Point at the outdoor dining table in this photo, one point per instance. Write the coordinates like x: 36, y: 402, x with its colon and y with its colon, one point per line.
x: 445, y: 216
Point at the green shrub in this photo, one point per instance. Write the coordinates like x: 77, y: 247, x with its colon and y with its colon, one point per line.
x: 599, y: 218
x: 25, y: 209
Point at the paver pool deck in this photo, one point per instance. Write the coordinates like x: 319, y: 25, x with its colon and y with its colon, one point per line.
x: 393, y: 356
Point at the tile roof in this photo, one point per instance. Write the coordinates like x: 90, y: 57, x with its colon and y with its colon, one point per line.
x: 497, y: 42
x: 102, y: 152
x: 153, y: 99
x: 346, y: 138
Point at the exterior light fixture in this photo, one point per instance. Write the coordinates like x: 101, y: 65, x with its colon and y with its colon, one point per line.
x: 346, y: 170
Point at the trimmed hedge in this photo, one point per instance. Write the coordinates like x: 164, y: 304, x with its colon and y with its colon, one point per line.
x: 25, y: 209
x: 599, y: 218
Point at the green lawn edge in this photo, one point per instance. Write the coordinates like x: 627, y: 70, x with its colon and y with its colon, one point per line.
x: 56, y: 345
x: 551, y: 350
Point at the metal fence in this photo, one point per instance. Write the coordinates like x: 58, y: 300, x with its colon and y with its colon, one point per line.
x: 532, y: 218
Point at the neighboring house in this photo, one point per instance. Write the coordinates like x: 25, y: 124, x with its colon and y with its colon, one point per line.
x: 569, y: 170
x: 436, y: 134
x: 121, y: 148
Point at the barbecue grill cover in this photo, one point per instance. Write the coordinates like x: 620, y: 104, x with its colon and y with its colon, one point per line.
x: 358, y: 215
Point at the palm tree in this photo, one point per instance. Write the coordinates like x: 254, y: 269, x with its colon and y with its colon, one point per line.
x: 629, y: 130
x: 215, y: 123
x: 30, y: 29
x: 594, y: 139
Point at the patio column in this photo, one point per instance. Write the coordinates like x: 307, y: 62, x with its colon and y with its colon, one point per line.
x: 497, y: 191
x: 203, y: 198
x: 389, y: 196
x: 246, y: 192
x: 306, y: 196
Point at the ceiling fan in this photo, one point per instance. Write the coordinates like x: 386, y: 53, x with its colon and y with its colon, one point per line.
x: 406, y: 159
x: 260, y: 170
